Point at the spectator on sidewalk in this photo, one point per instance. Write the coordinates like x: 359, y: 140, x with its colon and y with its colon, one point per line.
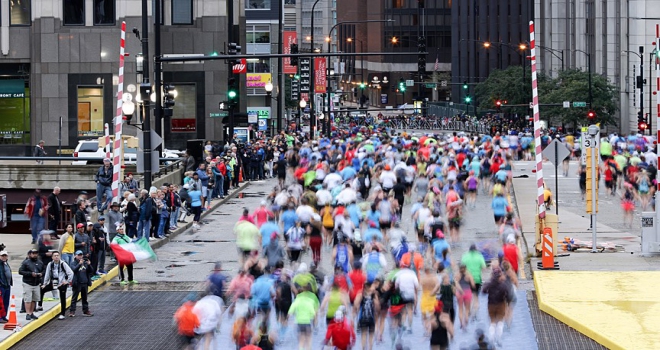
x: 6, y: 282
x: 99, y: 243
x: 103, y: 185
x: 36, y: 209
x: 67, y: 245
x: 54, y: 211
x: 82, y: 279
x: 32, y: 270
x: 58, y: 277
x: 39, y: 151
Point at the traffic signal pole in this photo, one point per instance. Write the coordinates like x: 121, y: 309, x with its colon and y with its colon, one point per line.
x: 158, y: 111
x: 144, y: 86
x: 230, y: 72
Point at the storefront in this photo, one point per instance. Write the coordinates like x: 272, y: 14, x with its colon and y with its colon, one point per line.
x: 14, y: 107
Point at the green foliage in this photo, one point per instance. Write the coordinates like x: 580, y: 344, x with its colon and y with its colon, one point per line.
x: 571, y: 85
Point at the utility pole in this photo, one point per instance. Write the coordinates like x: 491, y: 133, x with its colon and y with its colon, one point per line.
x: 230, y: 72
x: 280, y: 74
x: 641, y: 88
x: 145, y: 90
x: 158, y: 111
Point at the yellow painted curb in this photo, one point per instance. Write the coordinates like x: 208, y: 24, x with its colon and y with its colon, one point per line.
x: 52, y: 313
x: 619, y: 310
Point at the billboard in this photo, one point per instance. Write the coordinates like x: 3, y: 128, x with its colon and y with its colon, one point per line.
x: 320, y: 65
x: 257, y: 80
x: 289, y: 37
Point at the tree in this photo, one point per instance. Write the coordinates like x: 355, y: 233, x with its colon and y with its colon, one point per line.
x: 508, y: 85
x: 573, y: 85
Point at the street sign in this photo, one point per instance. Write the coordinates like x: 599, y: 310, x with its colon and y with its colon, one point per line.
x: 531, y: 105
x: 219, y: 115
x: 556, y: 152
x: 429, y: 85
x: 579, y: 104
x: 443, y: 83
x: 410, y: 82
x: 567, y: 104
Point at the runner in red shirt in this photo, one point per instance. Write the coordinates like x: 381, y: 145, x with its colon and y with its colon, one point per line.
x: 340, y: 332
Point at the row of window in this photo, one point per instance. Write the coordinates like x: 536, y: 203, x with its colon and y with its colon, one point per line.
x: 104, y: 12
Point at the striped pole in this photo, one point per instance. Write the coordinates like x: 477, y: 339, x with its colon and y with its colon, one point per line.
x: 118, y: 148
x: 657, y: 96
x: 537, y: 125
x: 106, y: 128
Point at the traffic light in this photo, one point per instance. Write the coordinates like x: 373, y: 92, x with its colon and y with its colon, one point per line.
x: 294, y: 50
x: 232, y: 92
x: 591, y: 115
x: 233, y: 49
x: 642, y: 126
x: 402, y: 85
x: 498, y: 105
x: 421, y: 56
x: 223, y: 105
x: 468, y: 99
x: 641, y: 122
x: 168, y: 100
x: 362, y: 86
x: 465, y: 85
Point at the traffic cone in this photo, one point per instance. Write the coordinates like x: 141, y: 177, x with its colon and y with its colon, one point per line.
x: 240, y: 175
x: 13, y: 322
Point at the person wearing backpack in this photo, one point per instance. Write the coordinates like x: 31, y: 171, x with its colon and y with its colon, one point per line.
x: 294, y: 244
x: 58, y: 276
x: 366, y: 305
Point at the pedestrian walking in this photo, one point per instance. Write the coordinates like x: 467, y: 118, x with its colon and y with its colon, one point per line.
x: 39, y: 151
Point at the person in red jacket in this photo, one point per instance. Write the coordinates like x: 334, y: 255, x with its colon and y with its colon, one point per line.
x: 341, y: 333
x: 511, y: 253
x: 37, y: 210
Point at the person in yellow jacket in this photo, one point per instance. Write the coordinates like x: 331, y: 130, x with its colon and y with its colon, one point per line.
x: 67, y: 244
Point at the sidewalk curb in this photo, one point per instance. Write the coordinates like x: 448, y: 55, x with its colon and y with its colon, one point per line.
x: 53, y: 312
x: 528, y: 259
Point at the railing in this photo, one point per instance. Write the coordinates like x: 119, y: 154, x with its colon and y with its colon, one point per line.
x: 417, y: 122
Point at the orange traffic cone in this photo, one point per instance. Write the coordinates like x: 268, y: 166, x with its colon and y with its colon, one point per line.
x: 240, y: 175
x: 12, y: 323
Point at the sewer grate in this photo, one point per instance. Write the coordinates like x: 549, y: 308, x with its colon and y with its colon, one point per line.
x: 552, y: 334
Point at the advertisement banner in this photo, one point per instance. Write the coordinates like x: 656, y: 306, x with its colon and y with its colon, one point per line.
x: 290, y: 37
x: 255, y: 113
x: 240, y: 67
x: 257, y: 80
x: 320, y: 66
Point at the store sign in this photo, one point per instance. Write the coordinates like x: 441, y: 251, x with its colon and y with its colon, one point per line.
x: 184, y: 125
x: 320, y: 65
x: 241, y: 67
x: 290, y: 37
x: 257, y: 80
x: 256, y: 113
x: 13, y: 88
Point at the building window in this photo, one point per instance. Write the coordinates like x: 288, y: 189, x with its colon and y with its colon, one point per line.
x: 258, y: 4
x: 397, y: 4
x: 74, y: 12
x: 104, y: 12
x: 182, y: 12
x: 184, y: 112
x: 20, y: 12
x: 258, y: 66
x: 257, y: 37
x: 15, y: 111
x: 90, y: 111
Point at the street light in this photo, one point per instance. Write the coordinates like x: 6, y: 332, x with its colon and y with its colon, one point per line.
x: 329, y: 41
x: 269, y: 91
x: 352, y: 40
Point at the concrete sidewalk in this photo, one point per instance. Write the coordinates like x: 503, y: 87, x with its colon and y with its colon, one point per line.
x: 610, y: 296
x: 18, y: 246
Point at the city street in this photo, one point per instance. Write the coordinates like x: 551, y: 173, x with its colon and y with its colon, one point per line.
x: 184, y: 262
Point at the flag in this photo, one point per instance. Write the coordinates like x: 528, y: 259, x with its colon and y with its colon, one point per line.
x: 131, y: 252
x: 435, y: 68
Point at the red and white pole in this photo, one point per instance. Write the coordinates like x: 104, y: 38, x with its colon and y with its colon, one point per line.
x: 106, y: 129
x: 537, y: 125
x: 657, y: 98
x: 118, y: 146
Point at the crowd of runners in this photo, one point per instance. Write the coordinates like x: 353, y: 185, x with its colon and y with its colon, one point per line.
x: 345, y: 199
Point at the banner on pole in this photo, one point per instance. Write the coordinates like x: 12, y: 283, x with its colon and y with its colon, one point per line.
x: 290, y: 37
x: 320, y: 66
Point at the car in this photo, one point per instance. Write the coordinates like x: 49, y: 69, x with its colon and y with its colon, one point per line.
x: 91, y: 149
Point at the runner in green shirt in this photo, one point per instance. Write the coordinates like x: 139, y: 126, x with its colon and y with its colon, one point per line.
x: 475, y: 264
x: 304, y: 308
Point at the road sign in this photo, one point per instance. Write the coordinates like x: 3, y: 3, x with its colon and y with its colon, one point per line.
x: 410, y: 82
x: 591, y: 142
x: 556, y: 152
x: 429, y: 85
x: 219, y: 115
x: 579, y: 104
x: 567, y: 104
x: 443, y: 83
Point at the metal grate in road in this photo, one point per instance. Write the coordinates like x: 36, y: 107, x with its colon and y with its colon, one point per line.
x: 552, y: 334
x: 147, y: 316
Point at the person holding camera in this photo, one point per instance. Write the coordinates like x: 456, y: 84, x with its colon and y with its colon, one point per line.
x: 58, y: 277
x: 32, y: 270
x: 82, y: 280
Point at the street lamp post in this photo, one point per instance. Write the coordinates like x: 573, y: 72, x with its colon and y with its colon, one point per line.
x: 588, y: 68
x: 302, y: 105
x: 269, y: 96
x: 641, y: 76
x: 312, y: 122
x: 362, y: 85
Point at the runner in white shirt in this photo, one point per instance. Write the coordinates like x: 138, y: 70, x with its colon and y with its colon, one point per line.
x: 332, y: 180
x: 387, y: 178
